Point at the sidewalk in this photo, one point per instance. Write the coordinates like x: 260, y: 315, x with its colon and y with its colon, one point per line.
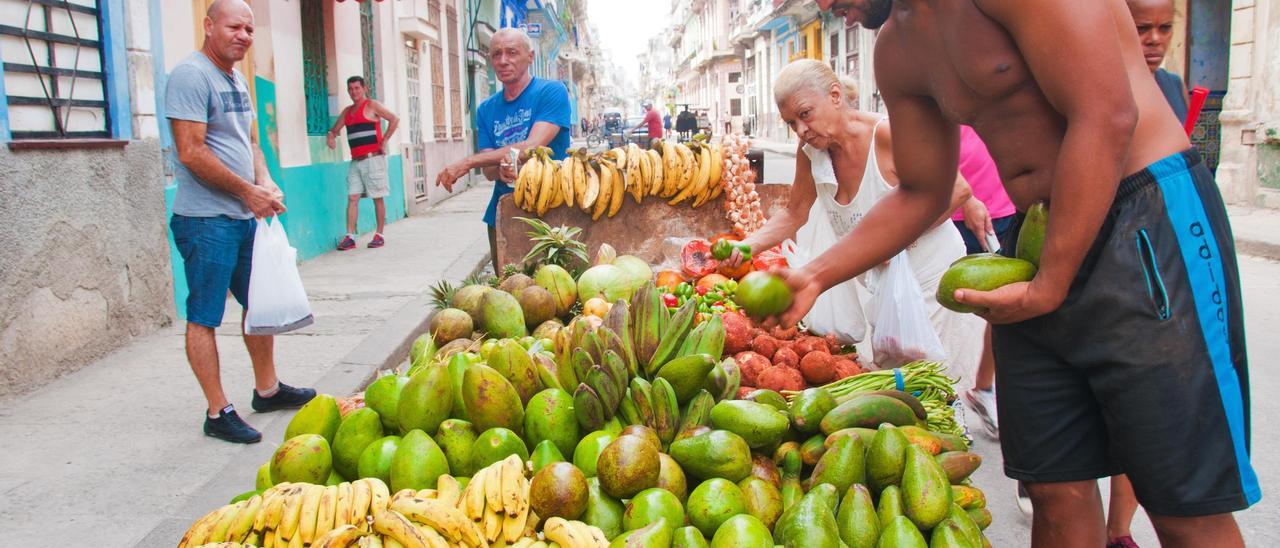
x: 114, y: 455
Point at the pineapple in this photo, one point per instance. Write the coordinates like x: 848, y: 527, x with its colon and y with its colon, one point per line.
x: 557, y: 246
x: 442, y: 294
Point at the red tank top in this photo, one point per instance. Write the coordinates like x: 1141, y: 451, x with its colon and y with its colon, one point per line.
x: 364, y: 136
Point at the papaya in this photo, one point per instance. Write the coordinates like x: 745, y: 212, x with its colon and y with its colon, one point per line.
x: 810, y: 522
x: 923, y: 439
x: 809, y: 407
x: 842, y: 466
x: 926, y: 493
x: 984, y: 274
x: 303, y: 458
x: 948, y: 534
x: 900, y: 533
x: 868, y: 411
x: 1031, y: 235
x: 375, y: 460
x: 967, y: 497
x: 496, y: 444
x: 959, y: 464
x: 759, y: 424
x: 980, y: 516
x: 812, y: 450
x: 856, y: 521
x: 971, y: 531
x: 514, y: 363
x: 425, y: 400
x: 886, y: 458
x: 952, y: 442
x: 770, y: 397
x: 715, y: 454
x: 712, y: 503
x: 828, y: 494
x: 867, y: 434
x: 889, y: 506
x: 650, y: 505
x: 764, y: 500
x: 911, y: 401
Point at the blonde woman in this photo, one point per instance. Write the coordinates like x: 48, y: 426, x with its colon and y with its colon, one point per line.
x: 844, y: 165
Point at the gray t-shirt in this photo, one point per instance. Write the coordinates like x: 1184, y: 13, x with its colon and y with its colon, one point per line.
x: 198, y: 91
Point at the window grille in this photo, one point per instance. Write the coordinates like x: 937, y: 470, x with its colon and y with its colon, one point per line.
x: 416, y: 153
x: 54, y: 76
x: 441, y: 129
x: 367, y: 46
x: 315, y: 70
x: 455, y: 73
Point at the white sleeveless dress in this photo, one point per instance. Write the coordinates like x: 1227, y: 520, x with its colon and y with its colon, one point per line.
x: 930, y: 255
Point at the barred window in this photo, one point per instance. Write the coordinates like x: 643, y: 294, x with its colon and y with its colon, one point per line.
x: 455, y: 72
x: 315, y: 70
x: 367, y: 43
x: 55, y: 76
x: 441, y: 128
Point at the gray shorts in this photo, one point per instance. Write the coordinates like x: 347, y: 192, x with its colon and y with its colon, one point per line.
x: 368, y: 177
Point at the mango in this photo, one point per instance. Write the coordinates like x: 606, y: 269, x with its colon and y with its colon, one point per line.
x: 983, y: 273
x: 764, y: 500
x: 900, y: 533
x: 763, y: 467
x: 490, y: 399
x: 423, y: 349
x: 587, y: 453
x: 383, y: 396
x: 742, y: 531
x: 603, y: 511
x: 558, y: 490
x: 812, y: 449
x: 425, y: 400
x: 650, y: 505
x: 550, y: 417
x: 514, y: 363
x: 715, y: 454
x: 628, y: 465
x: 980, y: 516
x: 1031, y: 235
x: 959, y: 465
x: 827, y: 494
x: 457, y: 439
x: 948, y: 534
x: 962, y: 519
x: 545, y: 453
x: 496, y: 444
x: 561, y: 284
x: 671, y: 477
x: 923, y: 439
x: 857, y: 521
x: 656, y: 534
x: 886, y: 458
x: 966, y: 496
x: 867, y: 434
x: 375, y: 460
x: 952, y: 442
x: 689, y: 537
x: 458, y: 364
x: 926, y: 493
x: 759, y: 424
x: 809, y: 407
x: 318, y: 416
x: 687, y: 374
x: 501, y: 316
x: 811, y: 522
x: 263, y: 481
x: 867, y: 411
x: 418, y: 463
x: 359, y: 429
x: 842, y: 466
x: 302, y: 458
x: 770, y: 397
x: 712, y: 503
x: 890, y: 506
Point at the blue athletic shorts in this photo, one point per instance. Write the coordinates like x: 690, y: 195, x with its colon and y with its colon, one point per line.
x: 1142, y: 370
x: 217, y: 253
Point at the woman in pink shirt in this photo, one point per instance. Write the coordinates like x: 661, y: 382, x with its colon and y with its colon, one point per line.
x: 979, y: 170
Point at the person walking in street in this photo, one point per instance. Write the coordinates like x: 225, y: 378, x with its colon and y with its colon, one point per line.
x: 367, y: 175
x: 223, y: 185
x: 530, y: 112
x: 652, y: 122
x: 1127, y: 347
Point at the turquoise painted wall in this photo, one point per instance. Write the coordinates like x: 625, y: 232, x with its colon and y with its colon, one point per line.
x: 315, y: 194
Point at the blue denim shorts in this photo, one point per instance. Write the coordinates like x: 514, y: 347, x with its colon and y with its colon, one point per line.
x: 218, y: 254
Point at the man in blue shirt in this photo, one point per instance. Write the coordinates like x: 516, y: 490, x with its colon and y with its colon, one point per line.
x: 530, y: 112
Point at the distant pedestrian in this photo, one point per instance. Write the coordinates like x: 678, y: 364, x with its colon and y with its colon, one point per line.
x: 530, y: 112
x: 666, y: 122
x: 367, y: 175
x: 652, y: 121
x: 223, y: 184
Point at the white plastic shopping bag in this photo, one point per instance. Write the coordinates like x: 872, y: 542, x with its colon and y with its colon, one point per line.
x: 903, y: 332
x: 838, y: 311
x: 277, y: 301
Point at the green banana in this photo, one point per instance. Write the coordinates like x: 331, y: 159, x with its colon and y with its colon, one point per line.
x: 642, y: 396
x: 547, y: 368
x: 617, y: 370
x: 666, y: 411
x: 648, y: 321
x: 603, y: 385
x: 582, y: 364
x: 696, y: 414
x: 706, y: 338
x: 588, y: 408
x: 618, y: 320
x: 628, y: 411
x: 673, y: 336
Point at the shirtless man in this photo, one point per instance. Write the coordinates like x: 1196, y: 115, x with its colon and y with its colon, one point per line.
x: 1098, y: 372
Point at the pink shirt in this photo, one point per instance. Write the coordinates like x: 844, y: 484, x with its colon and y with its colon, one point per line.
x: 977, y: 167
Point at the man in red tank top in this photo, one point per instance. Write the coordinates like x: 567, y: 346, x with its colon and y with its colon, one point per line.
x: 367, y: 175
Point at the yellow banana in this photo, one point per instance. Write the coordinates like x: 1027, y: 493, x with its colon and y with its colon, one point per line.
x: 253, y: 539
x: 560, y: 531
x: 434, y: 539
x: 388, y: 542
x: 579, y: 177
x: 657, y: 178
x: 717, y: 165
x: 592, y: 532
x: 531, y: 523
x: 702, y: 179
x: 219, y: 532
x: 370, y: 541
x: 243, y: 522
x: 296, y: 541
x: 448, y: 490
x: 361, y: 495
x: 513, y: 526
x: 310, y: 509
x: 324, y: 514
x: 405, y: 493
x: 688, y: 184
x: 380, y: 495
x: 396, y: 526
x: 341, y: 537
x: 199, y: 531
x: 567, y: 169
x: 592, y: 192
x: 522, y: 182
x: 670, y: 169
x: 342, y: 508
x: 618, y: 193
x: 423, y: 493
x: 260, y: 520
x: 606, y: 190
x: 492, y: 524
x: 443, y: 518
x: 546, y: 190
x: 292, y: 516
x: 474, y: 496
x: 535, y: 183
x: 512, y: 473
x: 646, y: 173
x: 525, y: 542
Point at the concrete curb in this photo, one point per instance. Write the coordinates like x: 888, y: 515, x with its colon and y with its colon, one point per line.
x: 1258, y: 248
x: 384, y: 348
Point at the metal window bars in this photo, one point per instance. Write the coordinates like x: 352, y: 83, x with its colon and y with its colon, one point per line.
x: 367, y: 36
x: 57, y: 83
x: 315, y: 70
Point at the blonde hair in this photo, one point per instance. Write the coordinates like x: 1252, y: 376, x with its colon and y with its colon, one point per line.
x: 850, y: 89
x: 804, y: 74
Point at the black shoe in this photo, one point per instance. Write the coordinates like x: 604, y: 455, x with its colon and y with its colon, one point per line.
x: 286, y: 397
x: 230, y: 427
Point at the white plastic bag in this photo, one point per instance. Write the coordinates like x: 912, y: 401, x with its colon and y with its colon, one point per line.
x: 903, y: 332
x: 838, y: 311
x: 277, y: 301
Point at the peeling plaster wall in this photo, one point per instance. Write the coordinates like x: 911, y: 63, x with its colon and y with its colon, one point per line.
x: 85, y: 263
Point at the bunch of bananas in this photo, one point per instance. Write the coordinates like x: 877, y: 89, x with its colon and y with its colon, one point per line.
x: 653, y: 405
x: 598, y: 183
x: 496, y: 500
x: 603, y: 362
x: 295, y: 514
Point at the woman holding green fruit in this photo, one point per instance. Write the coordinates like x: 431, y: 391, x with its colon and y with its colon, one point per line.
x: 844, y: 165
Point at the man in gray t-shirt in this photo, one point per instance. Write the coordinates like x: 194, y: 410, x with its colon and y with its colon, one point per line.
x: 223, y: 185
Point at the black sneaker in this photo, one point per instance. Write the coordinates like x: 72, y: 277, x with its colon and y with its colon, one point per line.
x: 286, y: 397
x: 230, y: 427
